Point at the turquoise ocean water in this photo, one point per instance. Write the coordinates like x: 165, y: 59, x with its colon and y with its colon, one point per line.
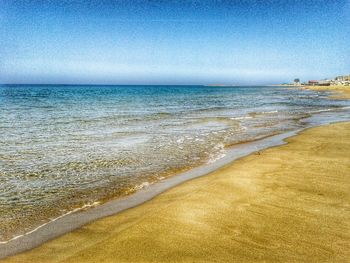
x: 67, y: 147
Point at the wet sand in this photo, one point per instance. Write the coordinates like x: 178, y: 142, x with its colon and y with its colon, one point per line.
x: 289, y: 203
x: 341, y: 92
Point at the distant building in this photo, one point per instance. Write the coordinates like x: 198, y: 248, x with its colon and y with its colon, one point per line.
x: 313, y: 82
x: 346, y: 78
x: 339, y: 78
x: 342, y: 80
x: 325, y: 82
x: 296, y: 81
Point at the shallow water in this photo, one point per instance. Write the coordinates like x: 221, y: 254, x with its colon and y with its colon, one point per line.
x: 63, y: 147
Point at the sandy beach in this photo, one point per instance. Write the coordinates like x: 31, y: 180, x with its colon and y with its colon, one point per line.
x: 286, y: 204
x: 174, y: 131
x: 341, y: 92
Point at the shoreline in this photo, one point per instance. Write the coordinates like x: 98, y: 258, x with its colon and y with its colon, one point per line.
x: 206, y: 167
x: 92, y: 212
x: 264, y: 209
x: 110, y: 171
x: 78, y: 218
x: 340, y: 92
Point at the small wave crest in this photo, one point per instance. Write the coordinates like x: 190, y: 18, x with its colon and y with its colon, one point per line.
x: 219, y: 153
x: 241, y: 118
x: 323, y: 110
x: 331, y: 109
x: 269, y: 112
x: 52, y: 220
x: 140, y: 186
x: 259, y: 113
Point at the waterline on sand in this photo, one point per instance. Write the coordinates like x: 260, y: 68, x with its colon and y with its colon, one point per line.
x: 76, y: 219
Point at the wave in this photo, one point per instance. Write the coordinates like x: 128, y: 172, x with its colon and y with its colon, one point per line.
x: 203, y: 120
x: 220, y: 153
x: 241, y: 118
x: 331, y: 109
x: 269, y: 112
x: 259, y: 113
x: 210, y: 109
x: 324, y: 110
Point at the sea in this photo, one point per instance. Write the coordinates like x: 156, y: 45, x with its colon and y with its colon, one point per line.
x: 69, y: 147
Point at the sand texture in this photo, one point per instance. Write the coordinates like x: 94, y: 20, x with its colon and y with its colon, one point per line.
x: 340, y: 92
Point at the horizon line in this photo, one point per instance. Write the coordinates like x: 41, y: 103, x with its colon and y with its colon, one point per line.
x: 84, y: 84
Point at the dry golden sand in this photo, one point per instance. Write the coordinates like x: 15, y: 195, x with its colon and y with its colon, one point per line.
x: 342, y: 92
x: 287, y: 204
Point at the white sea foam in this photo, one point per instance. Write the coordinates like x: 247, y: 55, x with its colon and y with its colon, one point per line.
x: 216, y: 158
x: 333, y: 109
x: 219, y: 153
x: 325, y: 110
x: 143, y: 185
x: 244, y: 128
x: 241, y: 118
x: 52, y: 220
x: 269, y: 112
x: 181, y: 140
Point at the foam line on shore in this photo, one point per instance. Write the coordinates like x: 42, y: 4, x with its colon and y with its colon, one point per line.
x: 52, y: 220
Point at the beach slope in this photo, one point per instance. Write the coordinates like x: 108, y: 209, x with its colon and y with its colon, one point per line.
x: 340, y: 92
x: 286, y: 204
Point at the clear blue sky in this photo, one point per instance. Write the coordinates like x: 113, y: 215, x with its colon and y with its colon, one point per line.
x: 173, y: 42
